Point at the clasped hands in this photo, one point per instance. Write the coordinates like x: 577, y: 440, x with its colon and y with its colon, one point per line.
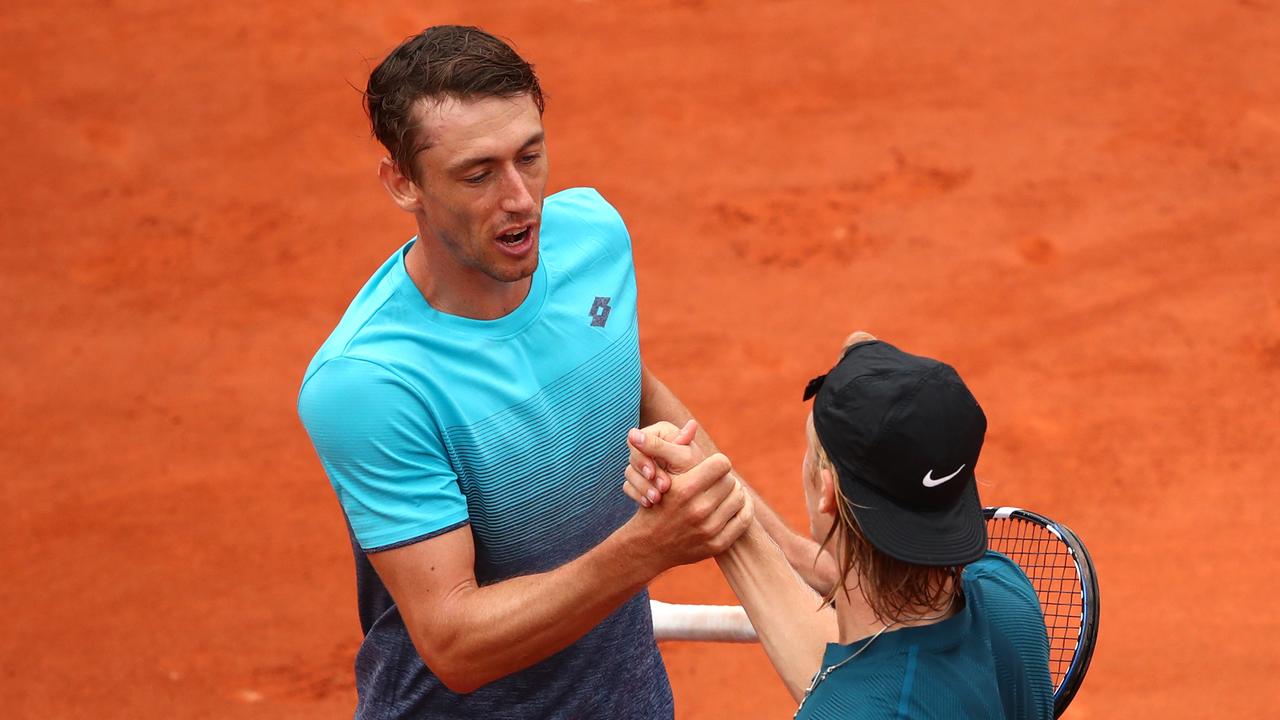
x: 696, y: 495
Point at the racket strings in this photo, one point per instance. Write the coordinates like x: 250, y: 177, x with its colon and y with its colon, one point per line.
x: 1048, y: 563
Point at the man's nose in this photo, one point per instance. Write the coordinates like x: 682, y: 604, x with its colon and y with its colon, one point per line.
x: 516, y: 198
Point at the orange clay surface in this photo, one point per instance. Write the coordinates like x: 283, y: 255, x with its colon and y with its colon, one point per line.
x: 1077, y: 204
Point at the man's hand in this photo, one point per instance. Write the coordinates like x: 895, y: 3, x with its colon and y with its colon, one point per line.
x: 647, y: 479
x: 854, y: 338
x: 777, y: 600
x: 659, y: 403
x: 706, y: 509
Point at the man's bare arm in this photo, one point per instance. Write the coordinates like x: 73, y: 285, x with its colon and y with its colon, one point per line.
x: 658, y: 403
x: 792, y: 622
x: 470, y: 635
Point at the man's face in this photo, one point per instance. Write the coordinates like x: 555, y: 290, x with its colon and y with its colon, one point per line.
x: 819, y: 520
x: 482, y: 180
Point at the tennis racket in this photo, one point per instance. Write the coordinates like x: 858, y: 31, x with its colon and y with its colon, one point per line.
x: 1059, y: 567
x: 1051, y: 555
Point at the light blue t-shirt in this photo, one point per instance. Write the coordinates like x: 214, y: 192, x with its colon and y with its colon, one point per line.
x: 990, y: 660
x: 425, y: 422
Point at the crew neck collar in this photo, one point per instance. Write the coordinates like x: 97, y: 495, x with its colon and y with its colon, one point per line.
x: 509, y: 324
x: 934, y: 636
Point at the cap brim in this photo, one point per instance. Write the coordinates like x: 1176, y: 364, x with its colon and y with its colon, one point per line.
x: 954, y: 536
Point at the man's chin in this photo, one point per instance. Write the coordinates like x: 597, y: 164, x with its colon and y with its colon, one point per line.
x: 508, y: 272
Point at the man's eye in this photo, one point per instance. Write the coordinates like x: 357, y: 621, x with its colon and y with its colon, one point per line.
x: 476, y: 179
x: 530, y: 158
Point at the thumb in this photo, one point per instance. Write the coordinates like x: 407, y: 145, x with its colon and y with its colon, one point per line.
x: 687, y: 433
x: 677, y: 458
x: 707, y: 472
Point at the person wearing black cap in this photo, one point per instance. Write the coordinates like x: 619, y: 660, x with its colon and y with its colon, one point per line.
x: 927, y: 622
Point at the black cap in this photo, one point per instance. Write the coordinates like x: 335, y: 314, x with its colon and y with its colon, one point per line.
x: 904, y: 434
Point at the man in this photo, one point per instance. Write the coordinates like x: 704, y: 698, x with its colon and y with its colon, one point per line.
x: 471, y: 408
x: 927, y: 623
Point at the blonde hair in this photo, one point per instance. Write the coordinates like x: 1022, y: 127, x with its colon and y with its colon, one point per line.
x: 896, y: 591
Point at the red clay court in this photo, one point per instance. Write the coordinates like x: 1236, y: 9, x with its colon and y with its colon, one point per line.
x: 1076, y: 204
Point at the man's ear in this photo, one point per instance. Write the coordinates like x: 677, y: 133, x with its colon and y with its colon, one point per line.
x: 404, y: 192
x: 826, y: 492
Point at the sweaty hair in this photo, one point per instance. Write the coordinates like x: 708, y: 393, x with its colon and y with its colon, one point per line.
x: 441, y: 62
x: 896, y: 591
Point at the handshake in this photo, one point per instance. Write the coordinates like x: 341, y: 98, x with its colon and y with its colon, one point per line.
x: 694, y: 505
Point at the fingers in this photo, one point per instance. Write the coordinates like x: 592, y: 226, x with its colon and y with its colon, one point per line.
x: 646, y: 466
x: 676, y: 458
x: 726, y: 510
x: 649, y: 470
x: 731, y: 519
x: 664, y: 429
x: 639, y: 488
x: 708, y: 483
x: 737, y: 525
x: 636, y: 496
x: 634, y: 487
x: 709, y: 471
x: 641, y: 463
x: 709, y: 510
x: 854, y: 338
x: 687, y: 433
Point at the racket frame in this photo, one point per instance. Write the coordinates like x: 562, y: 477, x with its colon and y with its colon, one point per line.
x: 1085, y: 571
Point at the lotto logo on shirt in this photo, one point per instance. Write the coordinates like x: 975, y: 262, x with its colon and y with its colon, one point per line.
x: 600, y: 312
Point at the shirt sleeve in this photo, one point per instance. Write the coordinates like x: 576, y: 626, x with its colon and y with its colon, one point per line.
x: 588, y: 206
x: 383, y: 454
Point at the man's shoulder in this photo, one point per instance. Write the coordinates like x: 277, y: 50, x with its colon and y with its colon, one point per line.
x: 583, y: 202
x: 993, y: 564
x: 1002, y: 582
x: 356, y: 335
x: 583, y: 211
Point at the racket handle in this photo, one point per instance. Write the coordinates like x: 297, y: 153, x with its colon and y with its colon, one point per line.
x: 704, y: 623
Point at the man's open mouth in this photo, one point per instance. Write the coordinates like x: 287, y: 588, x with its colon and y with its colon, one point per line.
x: 515, y: 237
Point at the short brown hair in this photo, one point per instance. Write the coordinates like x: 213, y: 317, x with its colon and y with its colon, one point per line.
x: 894, y: 590
x: 444, y: 61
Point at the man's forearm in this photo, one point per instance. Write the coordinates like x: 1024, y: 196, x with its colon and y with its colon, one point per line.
x: 791, y: 620
x: 818, y: 569
x: 508, y: 626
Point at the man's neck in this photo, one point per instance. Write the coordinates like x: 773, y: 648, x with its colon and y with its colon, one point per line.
x: 856, y: 620
x: 468, y: 294
x: 854, y: 617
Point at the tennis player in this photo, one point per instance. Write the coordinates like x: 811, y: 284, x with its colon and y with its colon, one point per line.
x: 470, y: 410
x: 927, y: 622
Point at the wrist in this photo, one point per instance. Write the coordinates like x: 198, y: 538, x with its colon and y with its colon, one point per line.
x: 630, y: 549
x: 755, y: 535
x: 750, y: 543
x: 794, y: 544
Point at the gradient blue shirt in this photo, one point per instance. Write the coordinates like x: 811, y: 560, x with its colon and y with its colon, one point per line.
x: 990, y: 660
x: 426, y: 422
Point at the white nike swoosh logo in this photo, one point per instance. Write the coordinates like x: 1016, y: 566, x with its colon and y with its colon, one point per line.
x: 929, y: 480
